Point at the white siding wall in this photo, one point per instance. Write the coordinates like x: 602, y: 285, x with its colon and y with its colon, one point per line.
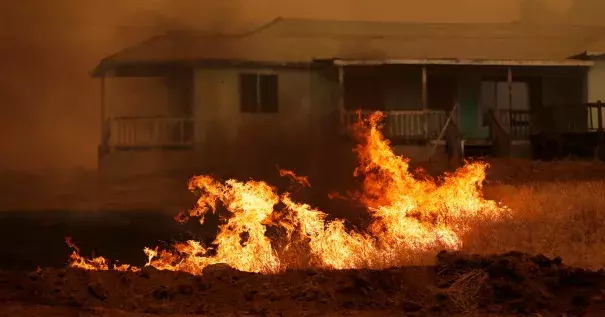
x: 221, y: 128
x: 596, y: 89
x: 596, y: 82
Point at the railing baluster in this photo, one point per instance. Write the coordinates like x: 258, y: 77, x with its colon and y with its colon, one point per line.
x: 419, y: 125
x: 417, y: 128
x: 405, y: 124
x: 398, y: 124
x: 147, y: 131
x: 182, y: 135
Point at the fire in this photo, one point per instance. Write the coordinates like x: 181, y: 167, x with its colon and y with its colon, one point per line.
x: 94, y: 263
x: 411, y: 215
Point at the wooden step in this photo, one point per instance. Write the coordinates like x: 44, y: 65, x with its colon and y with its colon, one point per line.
x: 477, y: 142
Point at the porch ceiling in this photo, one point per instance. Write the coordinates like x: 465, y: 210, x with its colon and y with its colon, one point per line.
x: 565, y: 62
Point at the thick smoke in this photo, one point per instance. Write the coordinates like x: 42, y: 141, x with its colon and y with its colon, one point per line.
x: 50, y: 104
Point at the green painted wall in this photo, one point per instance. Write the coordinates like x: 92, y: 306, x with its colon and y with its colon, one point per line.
x: 470, y: 124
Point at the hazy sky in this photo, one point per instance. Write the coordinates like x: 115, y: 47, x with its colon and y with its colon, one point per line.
x: 50, y: 105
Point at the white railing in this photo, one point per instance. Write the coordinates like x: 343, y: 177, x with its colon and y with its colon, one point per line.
x: 149, y: 131
x: 404, y: 124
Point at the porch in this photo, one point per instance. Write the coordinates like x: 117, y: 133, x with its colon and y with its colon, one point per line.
x: 491, y: 103
x: 153, y: 132
x: 146, y: 107
x: 417, y: 125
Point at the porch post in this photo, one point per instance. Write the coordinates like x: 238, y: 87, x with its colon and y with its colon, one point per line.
x: 510, y: 100
x: 103, y: 113
x: 102, y: 100
x: 104, y: 128
x: 496, y: 80
x: 425, y: 102
x: 341, y: 98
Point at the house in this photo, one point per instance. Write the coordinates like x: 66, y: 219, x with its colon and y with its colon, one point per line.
x: 285, y: 92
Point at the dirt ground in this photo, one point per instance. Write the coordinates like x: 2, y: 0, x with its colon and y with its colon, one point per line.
x: 513, y: 283
x: 40, y: 211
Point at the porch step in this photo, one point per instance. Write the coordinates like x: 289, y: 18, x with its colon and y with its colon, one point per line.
x: 477, y: 147
x: 477, y: 142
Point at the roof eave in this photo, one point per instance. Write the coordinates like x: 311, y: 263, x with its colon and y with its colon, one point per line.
x: 98, y: 71
x: 107, y: 65
x: 595, y: 55
x: 467, y: 62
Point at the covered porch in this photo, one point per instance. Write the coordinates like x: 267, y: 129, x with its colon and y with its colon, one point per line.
x: 146, y: 107
x: 494, y: 102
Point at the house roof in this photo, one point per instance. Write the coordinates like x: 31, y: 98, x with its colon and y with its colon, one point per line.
x: 303, y: 41
x: 597, y: 48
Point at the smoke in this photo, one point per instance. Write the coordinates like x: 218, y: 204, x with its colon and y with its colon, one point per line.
x: 49, y: 103
x: 587, y: 12
x: 539, y: 11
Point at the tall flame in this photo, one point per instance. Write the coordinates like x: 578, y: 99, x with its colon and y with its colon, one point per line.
x: 410, y: 215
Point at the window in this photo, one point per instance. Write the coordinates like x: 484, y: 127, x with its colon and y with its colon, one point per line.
x: 258, y: 93
x: 495, y: 95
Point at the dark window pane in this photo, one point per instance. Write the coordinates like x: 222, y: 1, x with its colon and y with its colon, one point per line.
x: 248, y: 92
x: 268, y: 93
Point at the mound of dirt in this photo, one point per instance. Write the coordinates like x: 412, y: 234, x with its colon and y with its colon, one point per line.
x: 517, y: 283
x: 220, y: 290
x: 501, y: 284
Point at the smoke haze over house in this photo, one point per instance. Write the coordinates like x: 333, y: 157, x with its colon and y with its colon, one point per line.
x: 50, y: 104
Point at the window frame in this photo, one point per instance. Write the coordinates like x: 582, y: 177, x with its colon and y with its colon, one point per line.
x: 483, y: 121
x: 263, y: 104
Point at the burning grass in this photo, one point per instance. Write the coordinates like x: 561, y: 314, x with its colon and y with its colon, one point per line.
x: 413, y: 217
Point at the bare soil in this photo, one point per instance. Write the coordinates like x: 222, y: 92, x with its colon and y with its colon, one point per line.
x: 513, y: 283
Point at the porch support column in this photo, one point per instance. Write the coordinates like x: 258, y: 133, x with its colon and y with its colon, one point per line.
x: 425, y: 106
x: 104, y: 146
x: 341, y: 98
x: 510, y: 99
x: 102, y: 100
x: 104, y: 113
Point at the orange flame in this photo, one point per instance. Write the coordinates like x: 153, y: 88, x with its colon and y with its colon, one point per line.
x: 410, y: 216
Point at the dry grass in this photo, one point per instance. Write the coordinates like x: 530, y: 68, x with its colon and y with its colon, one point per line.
x: 564, y: 219
x: 463, y: 294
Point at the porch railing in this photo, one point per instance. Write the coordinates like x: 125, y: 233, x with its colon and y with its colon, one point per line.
x: 571, y: 118
x: 595, y: 115
x: 404, y: 124
x: 517, y: 123
x: 501, y: 138
x: 149, y: 132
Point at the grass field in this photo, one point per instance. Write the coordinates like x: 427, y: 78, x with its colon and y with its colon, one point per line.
x: 564, y: 219
x: 558, y: 207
